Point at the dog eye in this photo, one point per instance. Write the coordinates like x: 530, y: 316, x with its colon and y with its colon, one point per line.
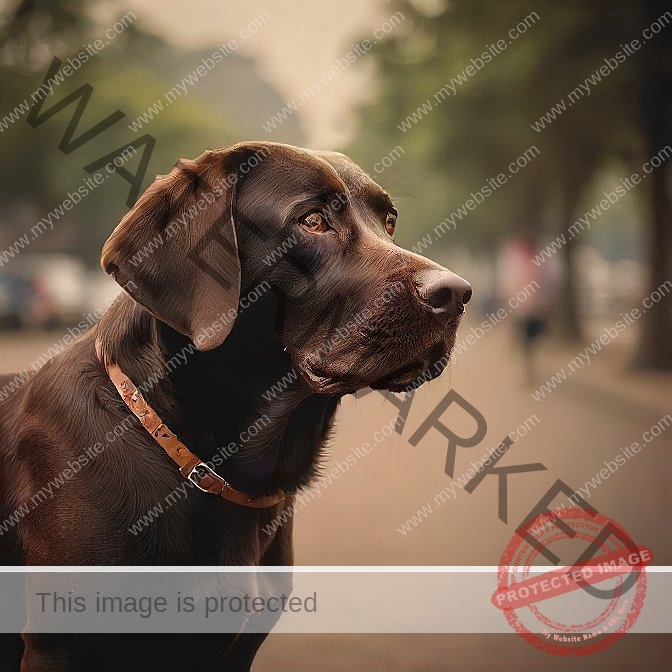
x: 390, y: 223
x: 314, y: 222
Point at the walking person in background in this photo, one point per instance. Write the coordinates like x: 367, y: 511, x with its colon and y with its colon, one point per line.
x: 520, y: 277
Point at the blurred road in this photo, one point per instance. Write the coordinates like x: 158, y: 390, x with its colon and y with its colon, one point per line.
x: 581, y: 424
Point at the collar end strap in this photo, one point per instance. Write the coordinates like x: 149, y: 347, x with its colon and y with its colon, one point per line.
x: 191, y: 467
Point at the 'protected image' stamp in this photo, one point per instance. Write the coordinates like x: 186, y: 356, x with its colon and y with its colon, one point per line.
x: 580, y: 609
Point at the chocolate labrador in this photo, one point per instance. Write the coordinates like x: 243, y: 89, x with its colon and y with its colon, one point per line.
x: 262, y: 283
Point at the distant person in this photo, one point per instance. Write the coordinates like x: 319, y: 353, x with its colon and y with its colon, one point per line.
x: 521, y: 288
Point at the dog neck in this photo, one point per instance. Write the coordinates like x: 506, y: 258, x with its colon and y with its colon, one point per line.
x: 241, y: 406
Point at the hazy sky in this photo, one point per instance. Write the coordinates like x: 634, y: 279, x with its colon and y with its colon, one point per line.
x: 300, y: 42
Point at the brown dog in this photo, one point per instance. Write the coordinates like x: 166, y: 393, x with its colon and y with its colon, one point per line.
x: 263, y: 283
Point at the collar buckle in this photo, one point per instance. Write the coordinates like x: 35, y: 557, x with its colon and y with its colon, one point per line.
x: 200, y: 471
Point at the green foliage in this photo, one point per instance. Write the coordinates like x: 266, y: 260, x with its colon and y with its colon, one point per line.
x: 477, y: 130
x: 130, y: 74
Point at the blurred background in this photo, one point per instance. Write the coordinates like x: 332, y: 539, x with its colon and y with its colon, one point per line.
x: 509, y: 133
x: 406, y: 108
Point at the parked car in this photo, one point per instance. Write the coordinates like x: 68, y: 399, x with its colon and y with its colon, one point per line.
x: 42, y: 291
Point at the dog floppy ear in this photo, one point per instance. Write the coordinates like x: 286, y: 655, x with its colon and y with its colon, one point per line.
x: 176, y: 251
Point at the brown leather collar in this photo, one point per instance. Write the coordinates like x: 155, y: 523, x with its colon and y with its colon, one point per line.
x: 191, y: 467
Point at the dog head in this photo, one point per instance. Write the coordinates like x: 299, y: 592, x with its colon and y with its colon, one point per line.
x: 310, y: 227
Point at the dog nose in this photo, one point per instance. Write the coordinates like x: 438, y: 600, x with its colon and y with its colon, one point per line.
x: 444, y: 291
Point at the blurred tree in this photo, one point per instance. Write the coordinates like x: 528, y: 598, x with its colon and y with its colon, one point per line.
x: 655, y: 99
x: 131, y: 74
x: 29, y: 32
x: 32, y: 27
x: 486, y: 122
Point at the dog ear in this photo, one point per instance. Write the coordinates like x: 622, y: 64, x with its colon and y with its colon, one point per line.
x: 176, y: 251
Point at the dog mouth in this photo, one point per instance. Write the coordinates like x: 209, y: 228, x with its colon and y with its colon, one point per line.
x: 403, y: 379
x: 412, y: 376
x: 321, y: 382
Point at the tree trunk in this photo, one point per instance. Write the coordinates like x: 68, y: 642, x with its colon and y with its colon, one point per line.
x: 578, y: 168
x: 655, y: 346
x: 569, y: 322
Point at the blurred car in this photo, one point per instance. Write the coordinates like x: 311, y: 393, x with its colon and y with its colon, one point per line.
x: 14, y: 296
x: 42, y: 291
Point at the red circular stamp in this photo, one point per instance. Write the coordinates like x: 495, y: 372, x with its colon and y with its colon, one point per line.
x: 575, y: 610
